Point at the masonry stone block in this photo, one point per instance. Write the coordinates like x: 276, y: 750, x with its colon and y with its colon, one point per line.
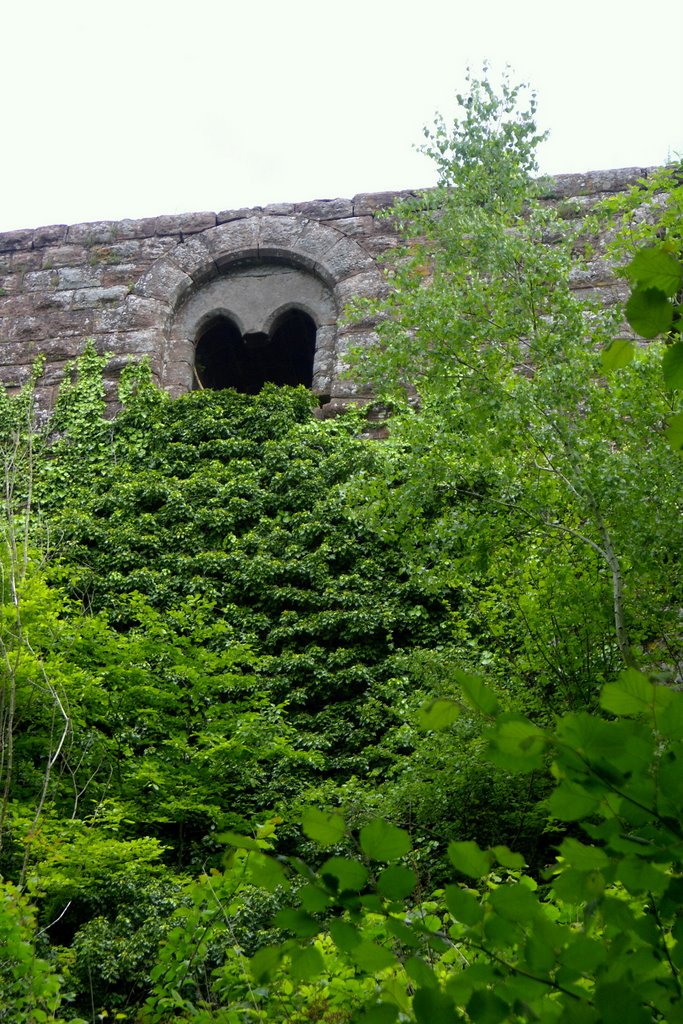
x: 50, y: 235
x: 185, y: 223
x: 194, y: 257
x: 79, y: 277
x: 94, y: 233
x: 326, y: 209
x: 14, y: 241
x: 232, y: 238
x: 244, y: 211
x: 165, y: 282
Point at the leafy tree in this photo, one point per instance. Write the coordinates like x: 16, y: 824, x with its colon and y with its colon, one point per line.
x: 531, y: 464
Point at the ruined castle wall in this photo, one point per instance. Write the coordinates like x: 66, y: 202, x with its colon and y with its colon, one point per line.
x: 129, y: 284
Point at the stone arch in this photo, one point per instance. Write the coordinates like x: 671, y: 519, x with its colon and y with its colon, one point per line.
x: 322, y: 256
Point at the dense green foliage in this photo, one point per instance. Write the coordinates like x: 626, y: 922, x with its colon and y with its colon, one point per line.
x: 228, y: 625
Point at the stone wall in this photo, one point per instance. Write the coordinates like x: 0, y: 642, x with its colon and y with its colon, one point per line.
x: 145, y: 287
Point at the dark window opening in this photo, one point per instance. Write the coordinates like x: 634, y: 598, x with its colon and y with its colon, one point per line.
x: 225, y: 359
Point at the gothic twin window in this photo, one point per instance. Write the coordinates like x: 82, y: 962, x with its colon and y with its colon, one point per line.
x: 226, y: 358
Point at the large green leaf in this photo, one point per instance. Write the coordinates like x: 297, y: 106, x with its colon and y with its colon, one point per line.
x: 618, y: 355
x: 463, y: 905
x: 380, y: 840
x: 372, y: 957
x: 516, y: 743
x: 468, y: 858
x: 265, y: 962
x: 344, y: 935
x: 307, y: 963
x: 438, y: 714
x: 485, y: 1007
x: 654, y: 267
x: 397, y: 882
x: 649, y: 312
x: 346, y: 875
x: 432, y: 1006
x: 267, y: 872
x: 674, y: 432
x: 297, y: 921
x: 325, y: 827
x: 672, y: 366
x: 633, y: 694
x: 477, y: 693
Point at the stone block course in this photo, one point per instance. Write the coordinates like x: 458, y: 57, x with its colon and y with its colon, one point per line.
x: 125, y: 283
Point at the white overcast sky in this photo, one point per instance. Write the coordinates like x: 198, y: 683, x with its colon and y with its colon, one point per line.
x: 138, y: 107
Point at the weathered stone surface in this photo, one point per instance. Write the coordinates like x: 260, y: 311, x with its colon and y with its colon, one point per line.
x: 347, y: 258
x: 167, y: 283
x: 228, y: 215
x: 64, y: 256
x: 594, y: 182
x: 371, y: 202
x: 79, y: 277
x: 23, y: 260
x: 40, y: 280
x: 194, y: 257
x: 279, y: 209
x: 94, y: 233
x: 145, y: 287
x: 234, y: 237
x: 53, y: 233
x: 86, y: 298
x: 326, y: 209
x: 12, y: 241
x: 354, y: 227
x: 185, y: 223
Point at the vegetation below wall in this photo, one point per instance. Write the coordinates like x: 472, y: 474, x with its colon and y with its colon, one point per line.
x: 293, y: 724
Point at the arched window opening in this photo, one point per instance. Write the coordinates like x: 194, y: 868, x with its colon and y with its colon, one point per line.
x: 291, y: 349
x: 226, y: 359
x: 219, y: 357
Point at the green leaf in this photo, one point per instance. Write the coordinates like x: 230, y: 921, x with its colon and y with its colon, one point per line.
x: 381, y: 1013
x: 649, y: 312
x: 397, y: 882
x: 313, y: 900
x: 516, y: 743
x: 463, y: 905
x: 241, y: 842
x: 514, y: 902
x: 324, y: 827
x: 618, y: 355
x: 478, y: 694
x: 297, y: 921
x: 570, y: 802
x: 265, y: 962
x: 674, y: 432
x: 307, y: 963
x: 633, y: 694
x: 401, y: 931
x: 432, y: 1006
x: 438, y: 715
x: 507, y: 858
x: 485, y: 1007
x: 584, y: 858
x: 267, y: 872
x: 421, y: 973
x: 654, y: 267
x: 380, y: 840
x: 672, y: 366
x: 371, y: 957
x: 344, y: 935
x: 349, y: 875
x: 468, y: 858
